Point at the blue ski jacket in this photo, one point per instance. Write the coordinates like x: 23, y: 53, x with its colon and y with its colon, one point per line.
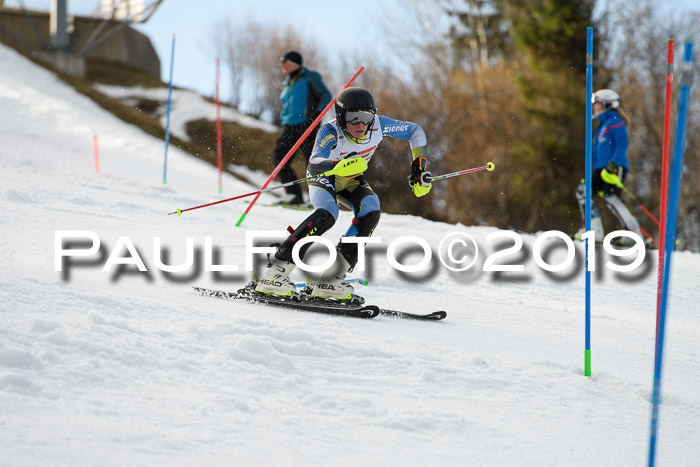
x: 303, y: 97
x: 610, y: 141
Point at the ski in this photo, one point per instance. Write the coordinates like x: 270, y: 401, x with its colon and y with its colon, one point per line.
x: 434, y: 316
x: 305, y: 302
x: 307, y: 287
x: 301, y: 285
x: 302, y: 304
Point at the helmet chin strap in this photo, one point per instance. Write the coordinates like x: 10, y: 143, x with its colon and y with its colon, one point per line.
x: 363, y: 140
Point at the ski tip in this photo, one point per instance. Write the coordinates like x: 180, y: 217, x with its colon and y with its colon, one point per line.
x: 490, y: 166
x: 434, y: 316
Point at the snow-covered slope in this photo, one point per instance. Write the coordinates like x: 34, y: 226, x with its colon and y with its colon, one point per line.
x: 124, y: 367
x: 185, y: 106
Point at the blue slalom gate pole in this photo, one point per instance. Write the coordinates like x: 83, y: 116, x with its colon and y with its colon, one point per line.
x: 167, y: 118
x: 669, y: 244
x: 589, y: 189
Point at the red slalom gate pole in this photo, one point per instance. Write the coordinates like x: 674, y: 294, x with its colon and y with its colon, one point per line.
x: 297, y: 145
x: 664, y: 184
x: 219, y: 156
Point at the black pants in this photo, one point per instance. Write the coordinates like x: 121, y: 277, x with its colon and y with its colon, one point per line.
x: 597, y: 183
x: 598, y: 186
x: 354, y: 193
x: 290, y: 135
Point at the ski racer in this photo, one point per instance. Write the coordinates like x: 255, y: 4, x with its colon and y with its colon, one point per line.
x: 610, y: 165
x: 355, y: 133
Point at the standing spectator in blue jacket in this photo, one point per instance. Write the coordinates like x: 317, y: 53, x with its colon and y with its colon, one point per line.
x: 610, y: 165
x: 303, y: 97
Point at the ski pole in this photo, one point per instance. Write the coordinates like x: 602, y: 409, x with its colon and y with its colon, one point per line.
x: 295, y: 182
x: 648, y: 235
x: 651, y: 216
x: 489, y: 166
x: 297, y: 145
x: 346, y: 167
x: 613, y: 179
x: 643, y: 208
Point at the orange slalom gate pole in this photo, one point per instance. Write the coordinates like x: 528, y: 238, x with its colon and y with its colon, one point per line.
x: 97, y: 155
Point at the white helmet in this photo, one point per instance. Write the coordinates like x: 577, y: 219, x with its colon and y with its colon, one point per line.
x: 609, y: 98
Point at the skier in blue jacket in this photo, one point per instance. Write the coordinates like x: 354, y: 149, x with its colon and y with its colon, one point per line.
x: 354, y: 134
x: 304, y: 96
x: 610, y: 165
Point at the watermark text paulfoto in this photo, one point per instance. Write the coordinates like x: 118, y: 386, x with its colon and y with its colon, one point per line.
x: 458, y: 251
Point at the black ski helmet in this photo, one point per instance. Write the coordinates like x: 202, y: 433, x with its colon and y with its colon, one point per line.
x: 352, y: 99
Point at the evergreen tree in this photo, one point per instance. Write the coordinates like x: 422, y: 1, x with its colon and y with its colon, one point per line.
x: 551, y: 37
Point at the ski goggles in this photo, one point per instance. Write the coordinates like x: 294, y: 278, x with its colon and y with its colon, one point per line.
x: 353, y: 117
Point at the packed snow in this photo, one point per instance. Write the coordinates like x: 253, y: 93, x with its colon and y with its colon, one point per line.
x: 185, y: 106
x: 124, y: 367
